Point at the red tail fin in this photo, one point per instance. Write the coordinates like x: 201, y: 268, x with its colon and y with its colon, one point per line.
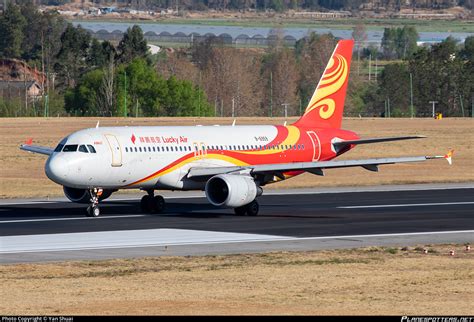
x: 327, y: 104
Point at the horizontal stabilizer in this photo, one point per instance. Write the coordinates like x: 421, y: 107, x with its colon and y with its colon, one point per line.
x: 338, y: 146
x: 378, y: 140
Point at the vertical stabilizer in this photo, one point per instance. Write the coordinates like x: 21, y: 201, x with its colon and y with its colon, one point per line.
x: 327, y: 103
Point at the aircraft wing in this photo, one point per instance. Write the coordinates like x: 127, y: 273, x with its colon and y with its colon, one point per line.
x: 312, y: 167
x: 37, y: 149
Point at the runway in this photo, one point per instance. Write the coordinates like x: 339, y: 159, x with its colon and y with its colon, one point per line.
x: 298, y: 220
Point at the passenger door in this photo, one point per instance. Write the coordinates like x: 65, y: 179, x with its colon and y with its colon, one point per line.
x: 115, y: 149
x: 316, y: 145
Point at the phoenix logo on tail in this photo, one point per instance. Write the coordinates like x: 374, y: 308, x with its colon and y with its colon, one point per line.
x: 327, y: 103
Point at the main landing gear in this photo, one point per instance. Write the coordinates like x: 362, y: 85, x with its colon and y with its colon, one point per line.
x: 93, y: 210
x: 250, y: 210
x: 151, y: 203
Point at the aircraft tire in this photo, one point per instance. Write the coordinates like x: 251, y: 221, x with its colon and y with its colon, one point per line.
x: 240, y: 211
x: 158, y: 204
x: 145, y: 204
x: 93, y: 211
x: 252, y: 208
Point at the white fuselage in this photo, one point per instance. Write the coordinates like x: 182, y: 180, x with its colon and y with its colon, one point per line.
x: 156, y: 157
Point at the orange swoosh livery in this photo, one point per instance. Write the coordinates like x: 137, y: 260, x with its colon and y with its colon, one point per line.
x: 324, y: 110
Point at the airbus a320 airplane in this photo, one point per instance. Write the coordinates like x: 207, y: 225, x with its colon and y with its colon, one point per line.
x: 231, y: 163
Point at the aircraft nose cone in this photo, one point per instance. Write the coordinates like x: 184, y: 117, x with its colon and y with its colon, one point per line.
x: 57, y: 168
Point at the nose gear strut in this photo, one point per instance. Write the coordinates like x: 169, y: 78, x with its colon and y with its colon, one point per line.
x: 93, y: 210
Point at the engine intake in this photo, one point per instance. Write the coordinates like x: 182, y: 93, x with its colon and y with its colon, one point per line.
x: 231, y: 190
x: 83, y: 195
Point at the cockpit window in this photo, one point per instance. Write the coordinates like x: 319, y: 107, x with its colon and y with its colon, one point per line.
x: 91, y: 148
x: 70, y: 148
x: 82, y: 148
x: 59, y: 147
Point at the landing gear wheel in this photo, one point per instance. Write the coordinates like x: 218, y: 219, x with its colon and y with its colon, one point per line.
x: 159, y: 204
x: 240, y: 211
x: 93, y: 211
x: 150, y: 204
x: 145, y: 204
x: 252, y: 208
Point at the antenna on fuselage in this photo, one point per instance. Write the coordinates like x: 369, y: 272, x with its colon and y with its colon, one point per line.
x: 97, y: 125
x: 233, y: 123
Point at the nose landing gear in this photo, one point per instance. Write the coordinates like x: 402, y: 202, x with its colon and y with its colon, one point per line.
x: 93, y: 210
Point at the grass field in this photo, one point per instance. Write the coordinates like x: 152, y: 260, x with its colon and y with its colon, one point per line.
x: 343, y: 282
x: 22, y: 173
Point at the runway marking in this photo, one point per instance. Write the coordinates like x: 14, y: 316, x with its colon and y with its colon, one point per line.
x: 159, y: 237
x: 122, y: 239
x: 409, y: 205
x: 26, y: 203
x: 388, y: 235
x: 64, y: 219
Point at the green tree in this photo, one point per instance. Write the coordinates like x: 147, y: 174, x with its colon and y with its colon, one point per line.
x: 183, y: 99
x: 82, y: 100
x: 133, y: 45
x: 71, y: 59
x: 395, y: 86
x: 12, y: 23
x: 442, y: 73
x: 407, y: 38
x: 100, y: 53
x: 399, y: 42
x: 277, y: 5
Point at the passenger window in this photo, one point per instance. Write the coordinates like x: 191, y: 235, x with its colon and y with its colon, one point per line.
x: 140, y: 148
x: 82, y: 148
x: 70, y: 148
x: 126, y: 149
x: 136, y: 149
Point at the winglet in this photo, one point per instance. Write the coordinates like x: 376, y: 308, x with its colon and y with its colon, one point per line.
x: 29, y: 141
x: 449, y: 156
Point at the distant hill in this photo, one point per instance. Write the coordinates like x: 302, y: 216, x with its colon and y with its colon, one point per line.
x: 276, y: 5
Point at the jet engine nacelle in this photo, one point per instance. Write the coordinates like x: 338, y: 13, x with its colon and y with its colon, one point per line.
x: 231, y: 190
x: 83, y: 195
